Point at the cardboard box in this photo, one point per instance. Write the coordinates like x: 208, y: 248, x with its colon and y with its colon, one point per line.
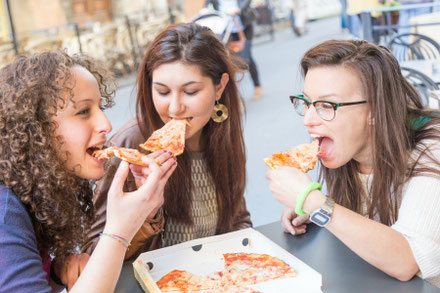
x: 204, y: 256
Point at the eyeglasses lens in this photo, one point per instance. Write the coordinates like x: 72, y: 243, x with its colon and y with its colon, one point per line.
x: 325, y: 110
x: 300, y: 106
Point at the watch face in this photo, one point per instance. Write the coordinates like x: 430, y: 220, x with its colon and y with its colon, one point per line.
x: 319, y: 218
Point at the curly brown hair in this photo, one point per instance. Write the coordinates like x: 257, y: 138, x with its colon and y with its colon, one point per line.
x: 59, y: 203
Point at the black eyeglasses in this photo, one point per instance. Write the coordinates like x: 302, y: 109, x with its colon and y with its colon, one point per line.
x: 325, y: 109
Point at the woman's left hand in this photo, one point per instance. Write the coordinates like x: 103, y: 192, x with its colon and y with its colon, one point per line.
x: 286, y: 183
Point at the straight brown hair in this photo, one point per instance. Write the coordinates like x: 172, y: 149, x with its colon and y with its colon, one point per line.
x: 394, y: 103
x: 224, y: 150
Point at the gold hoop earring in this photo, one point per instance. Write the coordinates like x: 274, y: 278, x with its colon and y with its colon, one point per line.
x: 220, y: 112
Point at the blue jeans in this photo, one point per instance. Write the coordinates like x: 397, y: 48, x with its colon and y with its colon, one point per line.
x: 344, y: 17
x: 354, y: 25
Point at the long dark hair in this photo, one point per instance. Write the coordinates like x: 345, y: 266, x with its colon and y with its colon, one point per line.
x: 58, y: 202
x: 224, y: 151
x: 394, y: 103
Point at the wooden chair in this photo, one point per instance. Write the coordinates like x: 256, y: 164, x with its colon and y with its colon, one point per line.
x: 424, y: 85
x: 412, y: 46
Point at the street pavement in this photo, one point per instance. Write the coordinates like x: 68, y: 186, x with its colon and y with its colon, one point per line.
x: 270, y: 123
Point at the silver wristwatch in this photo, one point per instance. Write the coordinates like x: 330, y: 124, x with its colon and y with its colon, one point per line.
x: 323, y: 216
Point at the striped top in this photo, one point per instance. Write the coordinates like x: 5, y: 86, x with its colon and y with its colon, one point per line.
x: 204, y: 209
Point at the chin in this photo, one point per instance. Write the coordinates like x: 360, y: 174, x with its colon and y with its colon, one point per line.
x: 92, y: 174
x: 329, y: 164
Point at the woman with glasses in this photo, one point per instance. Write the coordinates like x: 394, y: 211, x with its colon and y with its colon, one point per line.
x: 379, y: 154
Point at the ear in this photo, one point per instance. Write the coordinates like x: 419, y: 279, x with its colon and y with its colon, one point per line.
x: 221, y: 86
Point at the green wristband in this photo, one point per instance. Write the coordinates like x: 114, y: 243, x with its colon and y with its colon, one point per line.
x: 302, y: 197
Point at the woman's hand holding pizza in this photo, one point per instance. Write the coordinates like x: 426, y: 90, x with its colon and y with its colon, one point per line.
x: 286, y: 183
x: 127, y: 211
x: 141, y: 173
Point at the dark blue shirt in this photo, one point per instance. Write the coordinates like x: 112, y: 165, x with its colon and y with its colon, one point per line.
x: 21, y: 266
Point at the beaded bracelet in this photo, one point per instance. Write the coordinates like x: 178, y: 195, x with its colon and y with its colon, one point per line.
x: 120, y: 239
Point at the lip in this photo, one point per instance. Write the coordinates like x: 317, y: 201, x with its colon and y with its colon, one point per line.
x: 317, y: 133
x: 101, y: 143
x: 96, y: 144
x: 181, y: 118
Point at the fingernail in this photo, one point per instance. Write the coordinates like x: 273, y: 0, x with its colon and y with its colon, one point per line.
x: 175, y: 158
x: 165, y: 151
x: 175, y: 163
x: 170, y: 153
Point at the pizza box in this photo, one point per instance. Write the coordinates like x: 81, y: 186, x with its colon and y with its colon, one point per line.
x: 205, y: 255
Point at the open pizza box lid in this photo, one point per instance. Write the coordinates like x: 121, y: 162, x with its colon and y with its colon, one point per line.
x: 205, y: 255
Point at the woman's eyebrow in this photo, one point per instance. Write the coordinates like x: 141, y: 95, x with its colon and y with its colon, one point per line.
x: 321, y: 97
x: 185, y: 84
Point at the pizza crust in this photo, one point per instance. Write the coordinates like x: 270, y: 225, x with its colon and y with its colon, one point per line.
x: 129, y: 155
x: 302, y: 157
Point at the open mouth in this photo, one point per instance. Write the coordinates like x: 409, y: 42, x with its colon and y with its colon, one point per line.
x: 90, y: 150
x: 325, y: 145
x: 181, y: 118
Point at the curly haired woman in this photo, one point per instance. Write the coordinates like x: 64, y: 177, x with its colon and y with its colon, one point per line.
x: 51, y: 121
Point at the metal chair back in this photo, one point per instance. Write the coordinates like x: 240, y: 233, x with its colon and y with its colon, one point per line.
x: 423, y: 84
x: 412, y: 46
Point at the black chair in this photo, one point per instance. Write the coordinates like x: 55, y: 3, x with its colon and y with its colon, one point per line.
x: 412, y: 46
x: 423, y: 83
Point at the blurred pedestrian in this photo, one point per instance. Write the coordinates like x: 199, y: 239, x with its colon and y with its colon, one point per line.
x: 344, y: 17
x: 246, y: 13
x: 300, y: 17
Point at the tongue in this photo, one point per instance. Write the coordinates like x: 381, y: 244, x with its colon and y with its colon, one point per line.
x: 325, y: 147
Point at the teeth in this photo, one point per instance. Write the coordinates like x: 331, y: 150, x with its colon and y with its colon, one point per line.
x: 315, y: 135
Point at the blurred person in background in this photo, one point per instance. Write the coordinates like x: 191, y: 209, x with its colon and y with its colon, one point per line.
x: 300, y: 17
x: 243, y: 9
x: 382, y: 172
x: 344, y: 17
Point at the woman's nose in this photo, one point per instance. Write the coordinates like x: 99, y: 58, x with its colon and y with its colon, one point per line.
x: 103, y: 125
x: 311, y: 117
x: 176, y: 105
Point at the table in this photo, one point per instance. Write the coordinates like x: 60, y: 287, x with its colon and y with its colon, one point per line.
x: 341, y: 269
x: 426, y: 67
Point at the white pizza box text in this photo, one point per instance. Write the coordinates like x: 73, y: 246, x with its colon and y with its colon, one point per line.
x: 205, y: 255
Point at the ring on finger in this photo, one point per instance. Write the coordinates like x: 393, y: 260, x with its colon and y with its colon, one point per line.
x: 158, y: 162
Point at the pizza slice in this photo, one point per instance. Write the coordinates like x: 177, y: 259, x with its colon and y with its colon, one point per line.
x: 130, y: 155
x: 252, y: 268
x: 182, y: 281
x: 302, y: 157
x: 170, y: 137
